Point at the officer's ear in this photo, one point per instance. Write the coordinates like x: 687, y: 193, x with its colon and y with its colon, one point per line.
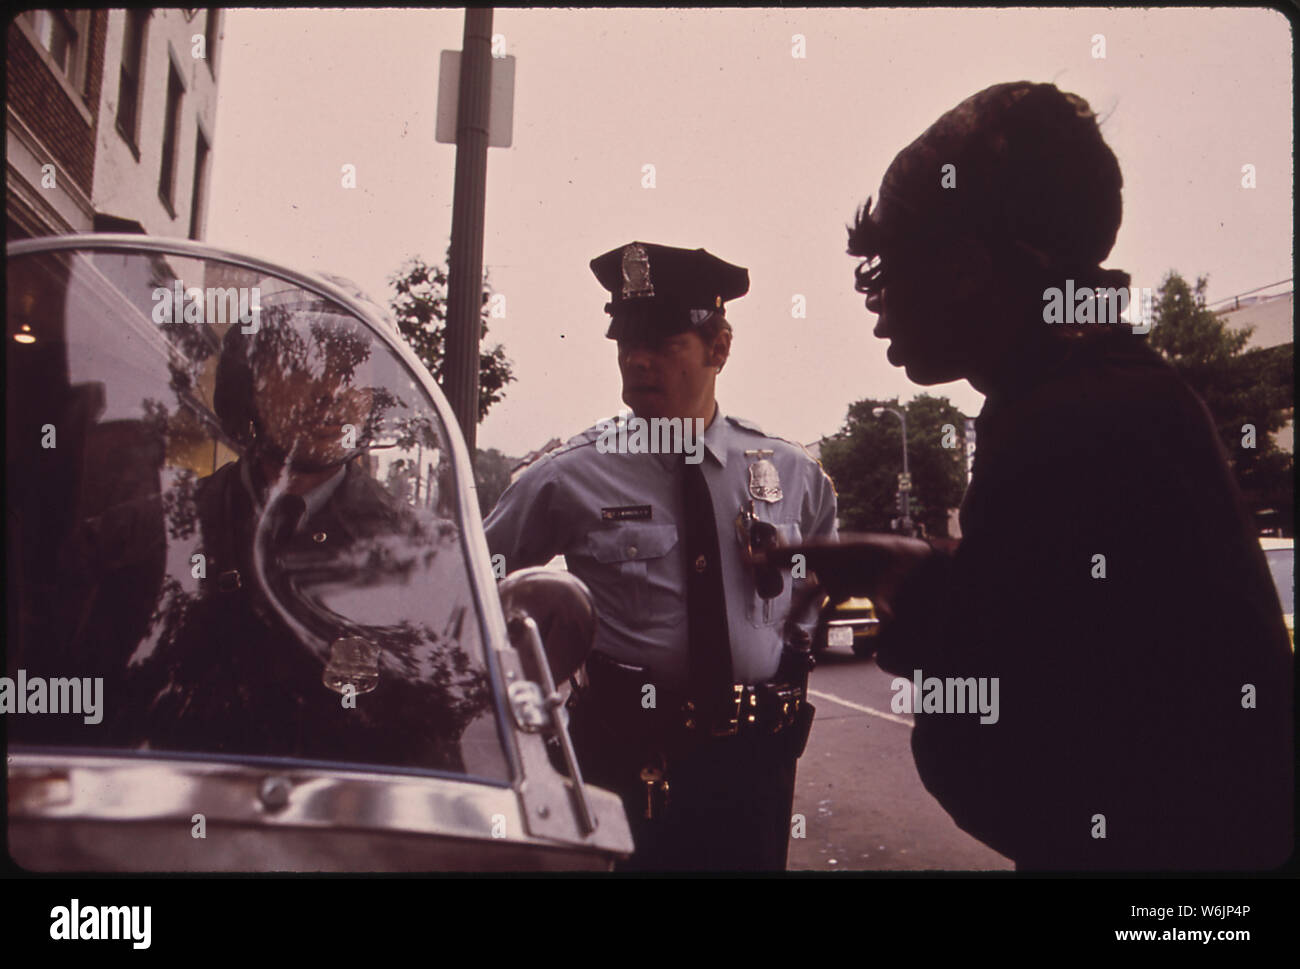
x: 720, y: 349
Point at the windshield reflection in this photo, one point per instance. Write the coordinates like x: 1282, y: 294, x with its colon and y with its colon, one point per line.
x: 247, y: 525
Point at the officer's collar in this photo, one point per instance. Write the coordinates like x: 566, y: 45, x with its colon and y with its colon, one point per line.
x: 315, y: 499
x: 715, y: 436
x: 714, y: 441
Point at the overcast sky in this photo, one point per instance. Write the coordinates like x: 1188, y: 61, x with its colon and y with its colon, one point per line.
x: 760, y: 157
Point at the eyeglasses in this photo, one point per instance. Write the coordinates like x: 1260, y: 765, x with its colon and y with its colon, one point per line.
x: 754, y: 534
x: 868, y: 277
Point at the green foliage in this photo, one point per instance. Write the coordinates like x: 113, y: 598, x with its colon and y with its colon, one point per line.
x: 491, y: 477
x: 420, y: 305
x: 865, y: 457
x: 1239, y: 386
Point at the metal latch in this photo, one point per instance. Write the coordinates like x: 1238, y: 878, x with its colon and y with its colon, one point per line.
x: 528, y: 706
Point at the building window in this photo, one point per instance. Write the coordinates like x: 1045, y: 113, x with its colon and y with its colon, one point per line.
x: 63, y: 34
x: 210, y: 32
x: 128, y: 90
x: 197, y: 199
x: 57, y: 32
x: 171, y: 140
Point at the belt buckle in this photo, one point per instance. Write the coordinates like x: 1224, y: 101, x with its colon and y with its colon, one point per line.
x: 731, y: 726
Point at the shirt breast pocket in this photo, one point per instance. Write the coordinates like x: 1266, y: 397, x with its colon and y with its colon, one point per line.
x: 643, y: 578
x: 765, y: 612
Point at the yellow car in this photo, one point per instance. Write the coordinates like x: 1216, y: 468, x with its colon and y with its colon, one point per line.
x: 852, y: 623
x: 1280, y: 553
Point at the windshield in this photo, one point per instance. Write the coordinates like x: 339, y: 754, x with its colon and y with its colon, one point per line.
x: 233, y: 525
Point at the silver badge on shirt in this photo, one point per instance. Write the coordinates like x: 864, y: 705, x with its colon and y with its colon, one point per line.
x: 764, y: 482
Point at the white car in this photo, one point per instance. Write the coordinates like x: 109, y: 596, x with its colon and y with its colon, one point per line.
x: 1280, y: 553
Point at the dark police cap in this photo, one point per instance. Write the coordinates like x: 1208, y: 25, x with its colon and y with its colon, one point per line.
x: 658, y: 291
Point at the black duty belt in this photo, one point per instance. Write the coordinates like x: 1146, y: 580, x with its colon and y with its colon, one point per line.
x: 769, y: 707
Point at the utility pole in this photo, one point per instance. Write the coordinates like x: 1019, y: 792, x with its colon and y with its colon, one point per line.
x: 465, y: 272
x: 905, y: 480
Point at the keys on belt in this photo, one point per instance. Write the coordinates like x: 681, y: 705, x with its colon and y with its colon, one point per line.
x: 656, y: 790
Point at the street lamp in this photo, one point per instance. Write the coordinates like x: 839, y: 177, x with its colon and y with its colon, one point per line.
x: 907, y: 476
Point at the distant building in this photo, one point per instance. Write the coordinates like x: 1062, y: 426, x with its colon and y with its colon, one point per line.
x: 111, y: 119
x: 1272, y: 315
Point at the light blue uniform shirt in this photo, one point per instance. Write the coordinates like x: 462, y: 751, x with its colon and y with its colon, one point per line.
x: 615, y: 519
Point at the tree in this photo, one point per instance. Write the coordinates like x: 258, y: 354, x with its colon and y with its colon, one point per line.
x: 1241, y: 387
x: 491, y: 477
x: 865, y: 457
x: 420, y: 305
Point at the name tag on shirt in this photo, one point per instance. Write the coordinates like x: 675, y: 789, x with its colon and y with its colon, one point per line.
x: 626, y: 513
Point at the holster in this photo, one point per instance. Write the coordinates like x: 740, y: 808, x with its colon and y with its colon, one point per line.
x: 797, y: 737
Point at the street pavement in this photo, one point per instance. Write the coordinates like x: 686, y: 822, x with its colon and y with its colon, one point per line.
x: 863, y: 803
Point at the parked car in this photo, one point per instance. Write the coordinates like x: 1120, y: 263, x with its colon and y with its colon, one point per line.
x: 1280, y: 553
x: 205, y: 675
x: 851, y: 623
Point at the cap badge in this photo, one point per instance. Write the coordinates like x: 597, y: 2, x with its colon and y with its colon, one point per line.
x: 636, y: 272
x: 764, y: 481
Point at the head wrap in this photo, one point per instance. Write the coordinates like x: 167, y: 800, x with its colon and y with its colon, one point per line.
x: 1030, y: 174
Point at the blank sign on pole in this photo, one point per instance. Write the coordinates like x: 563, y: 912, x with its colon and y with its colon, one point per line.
x: 501, y: 105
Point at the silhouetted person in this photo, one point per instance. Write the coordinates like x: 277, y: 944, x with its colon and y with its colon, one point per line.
x: 1108, y: 573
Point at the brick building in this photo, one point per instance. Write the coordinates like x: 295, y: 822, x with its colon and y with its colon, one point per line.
x: 111, y: 118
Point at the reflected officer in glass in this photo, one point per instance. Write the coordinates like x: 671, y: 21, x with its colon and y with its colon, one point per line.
x: 297, y: 399
x: 305, y: 640
x: 694, y: 704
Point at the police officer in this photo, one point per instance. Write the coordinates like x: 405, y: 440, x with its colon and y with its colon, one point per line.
x: 694, y: 706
